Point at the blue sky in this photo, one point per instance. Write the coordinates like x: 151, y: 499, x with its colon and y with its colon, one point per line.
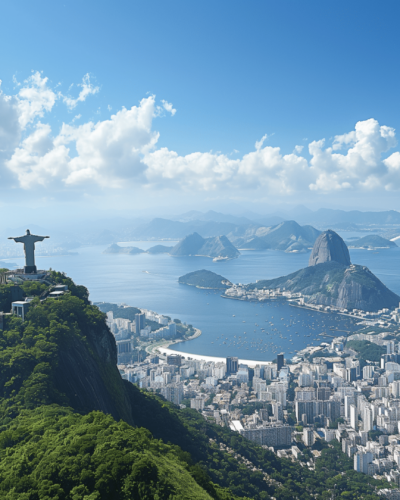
x: 234, y: 72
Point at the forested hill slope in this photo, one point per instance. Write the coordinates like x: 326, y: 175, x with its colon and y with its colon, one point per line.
x: 72, y: 429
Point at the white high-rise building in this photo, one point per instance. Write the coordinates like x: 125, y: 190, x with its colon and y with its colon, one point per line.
x: 219, y: 371
x: 308, y: 436
x: 197, y: 403
x: 348, y: 400
x: 368, y: 418
x: 390, y: 347
x: 368, y: 371
x: 173, y: 393
x: 395, y: 388
x: 305, y: 380
x: 361, y: 461
x: 353, y: 417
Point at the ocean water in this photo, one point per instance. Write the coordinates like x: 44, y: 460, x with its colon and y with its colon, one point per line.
x: 229, y: 327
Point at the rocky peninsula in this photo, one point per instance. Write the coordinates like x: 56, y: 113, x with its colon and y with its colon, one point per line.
x: 330, y: 280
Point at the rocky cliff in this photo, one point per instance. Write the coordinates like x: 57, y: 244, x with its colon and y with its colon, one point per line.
x: 331, y: 280
x: 328, y: 247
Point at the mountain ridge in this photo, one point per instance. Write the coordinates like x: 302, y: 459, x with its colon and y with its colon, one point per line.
x: 196, y: 245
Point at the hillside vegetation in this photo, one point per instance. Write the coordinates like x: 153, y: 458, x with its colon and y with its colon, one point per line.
x: 72, y: 429
x: 205, y: 279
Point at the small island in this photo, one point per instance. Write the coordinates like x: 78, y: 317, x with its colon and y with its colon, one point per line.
x: 126, y: 250
x: 159, y: 249
x: 205, y: 279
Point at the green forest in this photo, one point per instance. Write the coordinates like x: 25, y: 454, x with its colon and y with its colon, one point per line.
x: 71, y: 428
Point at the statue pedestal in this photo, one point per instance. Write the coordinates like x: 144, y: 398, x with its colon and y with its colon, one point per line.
x: 30, y: 270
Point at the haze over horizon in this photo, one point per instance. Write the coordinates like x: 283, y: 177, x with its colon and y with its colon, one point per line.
x: 187, y: 107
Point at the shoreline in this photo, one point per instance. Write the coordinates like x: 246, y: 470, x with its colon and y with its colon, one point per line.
x: 154, y: 348
x: 163, y: 348
x: 300, y: 306
x: 250, y: 362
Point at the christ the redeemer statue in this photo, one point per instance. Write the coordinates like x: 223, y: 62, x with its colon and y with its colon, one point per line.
x: 29, y: 241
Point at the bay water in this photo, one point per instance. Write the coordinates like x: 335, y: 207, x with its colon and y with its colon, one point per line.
x: 229, y: 327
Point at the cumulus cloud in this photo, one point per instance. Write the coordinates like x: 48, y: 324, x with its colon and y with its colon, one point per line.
x: 38, y: 161
x: 361, y: 166
x: 108, y: 152
x: 34, y: 99
x: 121, y: 153
x: 265, y: 167
x: 10, y: 129
x: 87, y: 89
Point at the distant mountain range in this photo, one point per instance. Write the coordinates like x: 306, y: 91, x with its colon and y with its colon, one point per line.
x: 301, y: 226
x: 159, y: 229
x: 193, y: 245
x: 252, y: 231
x: 288, y: 236
x: 325, y: 217
x: 371, y: 242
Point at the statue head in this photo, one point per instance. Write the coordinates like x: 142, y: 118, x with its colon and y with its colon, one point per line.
x: 28, y: 232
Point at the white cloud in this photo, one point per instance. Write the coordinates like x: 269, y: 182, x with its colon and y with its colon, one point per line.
x: 10, y: 130
x: 87, y: 89
x: 264, y: 168
x: 392, y: 180
x: 168, y: 107
x: 258, y: 144
x: 361, y: 167
x: 38, y: 162
x: 34, y: 99
x: 108, y: 152
x: 121, y: 153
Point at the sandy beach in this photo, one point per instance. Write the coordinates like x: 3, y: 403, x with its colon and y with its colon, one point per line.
x: 249, y: 362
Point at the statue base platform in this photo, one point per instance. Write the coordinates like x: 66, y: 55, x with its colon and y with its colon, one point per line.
x: 22, y: 275
x: 30, y: 270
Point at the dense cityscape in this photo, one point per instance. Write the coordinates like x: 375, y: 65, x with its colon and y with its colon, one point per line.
x: 331, y: 392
